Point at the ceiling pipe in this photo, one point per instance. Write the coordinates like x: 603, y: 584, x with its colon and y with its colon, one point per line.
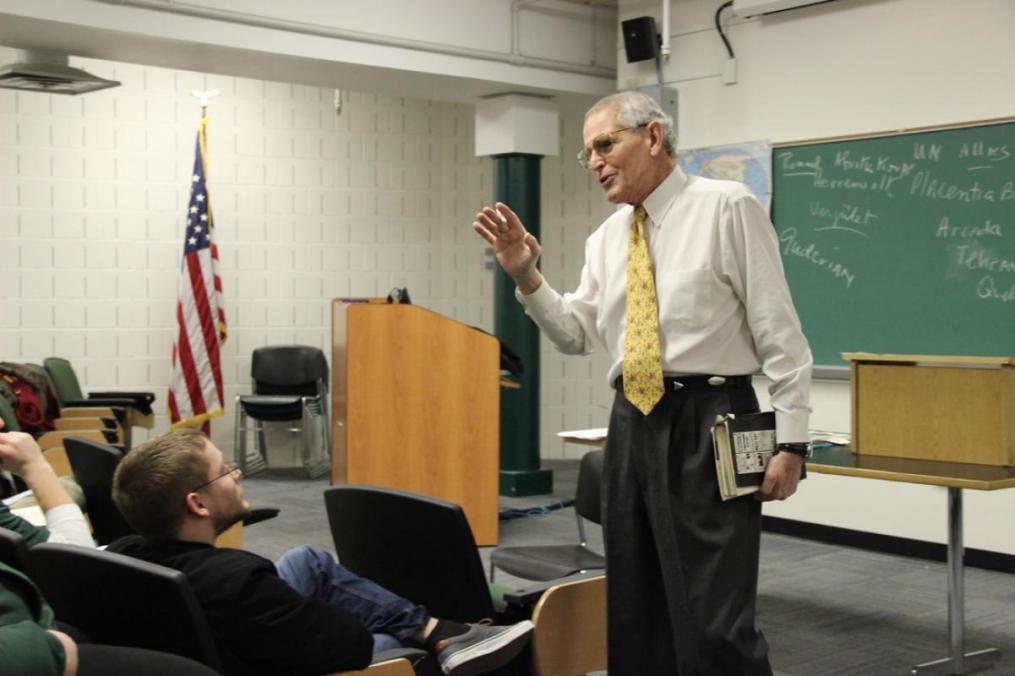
x: 665, y: 47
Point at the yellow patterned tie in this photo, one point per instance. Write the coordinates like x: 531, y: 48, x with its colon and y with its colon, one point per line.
x: 643, y: 369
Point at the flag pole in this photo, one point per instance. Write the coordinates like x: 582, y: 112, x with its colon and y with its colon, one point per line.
x: 203, y: 97
x: 196, y: 389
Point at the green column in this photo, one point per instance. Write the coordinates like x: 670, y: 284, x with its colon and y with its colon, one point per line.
x: 516, y: 181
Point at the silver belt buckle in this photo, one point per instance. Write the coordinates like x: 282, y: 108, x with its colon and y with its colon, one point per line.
x: 716, y: 380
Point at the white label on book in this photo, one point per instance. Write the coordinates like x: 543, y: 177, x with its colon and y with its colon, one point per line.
x: 754, y: 450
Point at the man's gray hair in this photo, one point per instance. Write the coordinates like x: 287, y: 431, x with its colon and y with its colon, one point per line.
x: 635, y: 109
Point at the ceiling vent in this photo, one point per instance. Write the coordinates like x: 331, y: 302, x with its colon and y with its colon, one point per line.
x: 48, y: 72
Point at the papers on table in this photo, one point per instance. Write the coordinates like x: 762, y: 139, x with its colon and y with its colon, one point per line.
x: 33, y: 515
x: 825, y: 438
x: 593, y: 434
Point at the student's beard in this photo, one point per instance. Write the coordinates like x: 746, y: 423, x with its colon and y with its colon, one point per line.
x: 223, y: 523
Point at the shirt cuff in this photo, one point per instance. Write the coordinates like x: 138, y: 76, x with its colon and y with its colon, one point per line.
x: 791, y: 427
x: 540, y: 299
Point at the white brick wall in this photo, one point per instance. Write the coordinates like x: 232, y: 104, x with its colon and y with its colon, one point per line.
x: 309, y: 205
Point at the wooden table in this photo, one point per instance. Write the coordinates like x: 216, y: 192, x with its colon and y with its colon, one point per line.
x: 954, y: 476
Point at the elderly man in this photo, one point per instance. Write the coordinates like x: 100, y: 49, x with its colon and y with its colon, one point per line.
x: 307, y: 615
x: 683, y: 287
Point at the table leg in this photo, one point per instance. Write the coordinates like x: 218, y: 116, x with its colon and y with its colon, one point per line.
x: 957, y: 661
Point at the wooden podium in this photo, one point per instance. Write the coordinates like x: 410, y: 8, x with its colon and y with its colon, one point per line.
x: 951, y: 409
x: 416, y: 406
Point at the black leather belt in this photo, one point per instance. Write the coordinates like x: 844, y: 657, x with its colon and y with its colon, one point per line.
x: 673, y: 383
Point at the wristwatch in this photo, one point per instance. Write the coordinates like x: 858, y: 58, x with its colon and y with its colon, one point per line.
x: 804, y: 450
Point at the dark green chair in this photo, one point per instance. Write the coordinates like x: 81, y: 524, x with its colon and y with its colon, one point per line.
x: 136, y: 407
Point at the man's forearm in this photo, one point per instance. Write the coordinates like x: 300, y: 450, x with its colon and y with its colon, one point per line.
x: 42, y: 480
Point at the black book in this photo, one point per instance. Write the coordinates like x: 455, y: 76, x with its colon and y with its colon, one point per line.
x: 743, y: 444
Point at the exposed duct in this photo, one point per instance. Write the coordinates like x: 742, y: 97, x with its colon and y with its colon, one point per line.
x: 49, y: 72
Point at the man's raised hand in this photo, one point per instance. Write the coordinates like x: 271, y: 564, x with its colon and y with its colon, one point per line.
x: 515, y: 248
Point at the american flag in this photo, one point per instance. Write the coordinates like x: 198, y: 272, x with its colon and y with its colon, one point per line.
x: 195, y: 386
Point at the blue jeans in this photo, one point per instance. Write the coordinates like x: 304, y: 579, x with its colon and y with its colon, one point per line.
x: 392, y: 620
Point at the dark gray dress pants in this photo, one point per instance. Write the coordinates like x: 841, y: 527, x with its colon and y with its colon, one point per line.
x: 682, y: 566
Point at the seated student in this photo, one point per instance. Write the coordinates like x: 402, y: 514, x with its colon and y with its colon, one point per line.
x: 20, y: 455
x: 29, y: 646
x: 307, y: 615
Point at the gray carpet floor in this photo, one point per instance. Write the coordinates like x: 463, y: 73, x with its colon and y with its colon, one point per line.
x: 825, y: 610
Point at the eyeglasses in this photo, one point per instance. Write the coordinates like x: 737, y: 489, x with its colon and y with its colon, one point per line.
x: 230, y: 469
x: 603, y: 145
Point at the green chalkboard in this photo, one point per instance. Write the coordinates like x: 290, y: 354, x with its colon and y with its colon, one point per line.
x: 902, y: 243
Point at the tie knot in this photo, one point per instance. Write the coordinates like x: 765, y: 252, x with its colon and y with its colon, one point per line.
x: 638, y: 226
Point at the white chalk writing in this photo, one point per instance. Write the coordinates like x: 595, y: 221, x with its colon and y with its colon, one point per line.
x: 843, y: 218
x: 979, y: 149
x: 792, y: 166
x: 882, y: 164
x: 976, y: 257
x: 925, y: 185
x: 945, y: 229
x: 986, y: 288
x: 926, y: 152
x: 810, y: 252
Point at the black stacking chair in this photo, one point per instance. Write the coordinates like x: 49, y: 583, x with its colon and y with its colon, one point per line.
x: 547, y: 562
x: 419, y: 547
x: 13, y: 550
x: 290, y: 384
x: 93, y: 465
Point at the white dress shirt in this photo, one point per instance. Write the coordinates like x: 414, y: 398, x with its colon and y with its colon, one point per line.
x: 724, y: 305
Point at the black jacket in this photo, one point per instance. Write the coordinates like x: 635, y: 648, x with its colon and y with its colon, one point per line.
x: 260, y: 624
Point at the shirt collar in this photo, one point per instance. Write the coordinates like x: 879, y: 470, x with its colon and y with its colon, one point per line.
x: 659, y: 202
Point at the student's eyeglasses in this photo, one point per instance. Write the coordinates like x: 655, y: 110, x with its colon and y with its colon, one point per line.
x: 603, y: 145
x: 230, y: 469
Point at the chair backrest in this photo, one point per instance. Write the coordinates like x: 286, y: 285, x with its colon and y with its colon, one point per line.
x: 288, y: 369
x: 63, y: 378
x: 120, y: 600
x: 56, y: 456
x: 588, y: 494
x: 93, y: 466
x: 419, y: 547
x: 570, y: 633
x: 13, y: 550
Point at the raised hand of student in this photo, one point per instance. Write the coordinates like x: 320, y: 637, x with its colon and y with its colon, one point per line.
x: 19, y: 453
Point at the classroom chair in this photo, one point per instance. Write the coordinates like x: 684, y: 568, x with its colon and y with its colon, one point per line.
x: 419, y: 547
x: 13, y: 550
x: 290, y: 384
x: 547, y: 562
x: 130, y: 408
x: 119, y: 600
x: 570, y: 633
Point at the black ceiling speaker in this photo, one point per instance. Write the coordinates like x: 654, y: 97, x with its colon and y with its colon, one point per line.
x: 640, y: 39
